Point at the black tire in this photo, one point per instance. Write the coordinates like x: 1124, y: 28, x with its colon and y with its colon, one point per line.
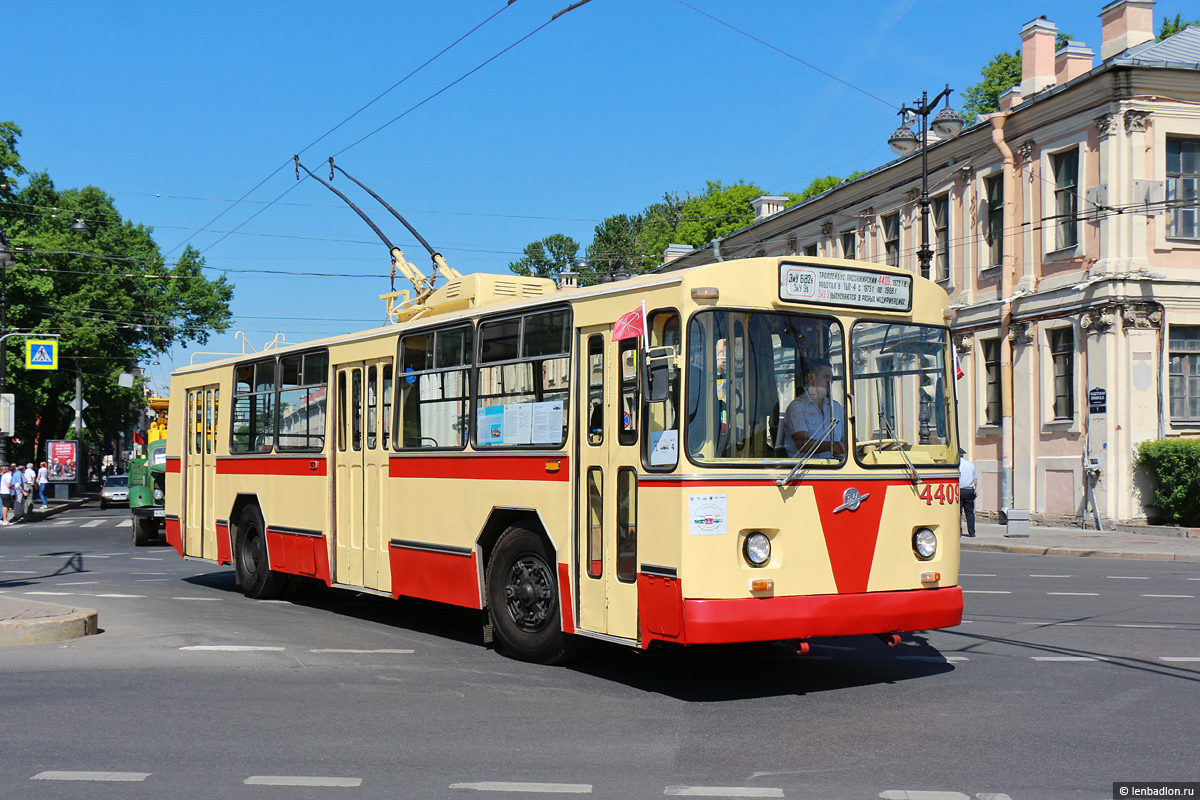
x: 143, y: 531
x: 523, y: 598
x: 251, y: 564
x: 104, y: 505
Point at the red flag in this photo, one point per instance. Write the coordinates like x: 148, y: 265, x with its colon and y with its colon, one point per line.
x: 958, y: 370
x: 630, y: 325
x: 137, y: 438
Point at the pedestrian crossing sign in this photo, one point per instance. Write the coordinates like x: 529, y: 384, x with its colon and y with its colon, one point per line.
x: 41, y: 354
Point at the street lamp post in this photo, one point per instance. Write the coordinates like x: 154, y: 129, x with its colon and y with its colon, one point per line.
x: 6, y: 261
x: 947, y: 125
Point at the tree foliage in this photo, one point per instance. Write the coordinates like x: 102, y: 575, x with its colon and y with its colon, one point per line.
x: 1175, y: 466
x: 1170, y: 27
x: 999, y: 75
x: 10, y: 163
x: 108, y: 293
x: 547, y: 257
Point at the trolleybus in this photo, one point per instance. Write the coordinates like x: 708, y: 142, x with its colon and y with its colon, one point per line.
x: 771, y: 455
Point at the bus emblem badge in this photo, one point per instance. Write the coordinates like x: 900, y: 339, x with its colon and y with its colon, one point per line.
x: 851, y: 499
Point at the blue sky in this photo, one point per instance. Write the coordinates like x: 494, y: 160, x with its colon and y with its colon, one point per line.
x: 177, y: 110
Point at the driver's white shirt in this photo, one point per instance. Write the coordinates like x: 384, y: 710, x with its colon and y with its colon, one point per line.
x: 804, y: 416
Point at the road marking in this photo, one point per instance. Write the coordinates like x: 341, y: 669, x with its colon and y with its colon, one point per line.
x: 1127, y: 577
x: 231, y: 648
x: 19, y: 572
x: 125, y: 523
x: 143, y: 558
x: 1173, y: 596
x: 985, y: 591
x: 114, y: 594
x: 722, y: 791
x: 201, y: 599
x: 1068, y: 658
x: 505, y: 786
x: 343, y: 650
x: 904, y: 794
x: 106, y: 555
x: 151, y: 580
x: 1075, y: 594
x: 60, y: 775
x: 62, y: 522
x: 976, y: 575
x: 1051, y: 576
x: 300, y: 780
x: 1179, y: 658
x: 53, y: 594
x: 78, y: 583
x: 94, y: 523
x: 1141, y: 625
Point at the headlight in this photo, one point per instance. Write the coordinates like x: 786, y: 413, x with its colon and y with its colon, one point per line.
x: 924, y: 544
x: 158, y: 494
x: 757, y: 549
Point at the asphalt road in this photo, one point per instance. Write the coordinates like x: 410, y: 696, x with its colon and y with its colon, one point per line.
x: 1067, y: 674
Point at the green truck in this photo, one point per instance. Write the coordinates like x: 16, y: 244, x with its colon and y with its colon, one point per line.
x: 147, y: 481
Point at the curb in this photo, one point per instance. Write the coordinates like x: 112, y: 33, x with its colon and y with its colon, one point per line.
x: 57, y: 624
x: 36, y: 515
x: 1034, y: 550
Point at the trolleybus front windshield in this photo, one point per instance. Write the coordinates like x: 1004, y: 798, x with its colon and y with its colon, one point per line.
x: 765, y: 386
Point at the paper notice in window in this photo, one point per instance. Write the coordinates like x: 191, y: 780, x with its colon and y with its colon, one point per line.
x: 547, y: 422
x: 489, y: 425
x: 518, y: 423
x: 664, y: 448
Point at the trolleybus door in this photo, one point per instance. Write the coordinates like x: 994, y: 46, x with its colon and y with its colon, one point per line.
x: 606, y: 497
x: 363, y: 393
x: 200, y: 471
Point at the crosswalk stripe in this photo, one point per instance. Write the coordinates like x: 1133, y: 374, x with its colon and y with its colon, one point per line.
x: 300, y: 780
x: 125, y: 523
x: 66, y: 775
x: 722, y: 791
x: 506, y: 786
x: 93, y: 524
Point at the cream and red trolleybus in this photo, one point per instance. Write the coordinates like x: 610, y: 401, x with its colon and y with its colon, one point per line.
x: 750, y: 450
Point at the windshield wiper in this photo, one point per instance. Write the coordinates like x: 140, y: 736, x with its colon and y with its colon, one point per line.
x: 912, y: 470
x: 805, y: 457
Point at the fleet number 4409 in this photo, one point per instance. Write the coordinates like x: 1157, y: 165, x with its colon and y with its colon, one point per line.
x: 944, y: 493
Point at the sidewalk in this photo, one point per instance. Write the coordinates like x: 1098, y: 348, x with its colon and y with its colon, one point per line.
x: 1045, y: 540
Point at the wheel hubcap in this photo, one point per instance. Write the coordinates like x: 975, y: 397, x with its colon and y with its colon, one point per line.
x: 529, y: 593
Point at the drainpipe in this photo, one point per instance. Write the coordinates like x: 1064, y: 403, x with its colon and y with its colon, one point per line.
x: 716, y: 244
x: 1007, y: 282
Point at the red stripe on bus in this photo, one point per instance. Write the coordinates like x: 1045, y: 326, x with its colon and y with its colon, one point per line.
x: 503, y: 468
x: 441, y: 577
x: 298, y: 555
x: 173, y: 464
x: 174, y: 533
x: 272, y: 465
x: 564, y: 598
x: 754, y: 619
x: 224, y: 546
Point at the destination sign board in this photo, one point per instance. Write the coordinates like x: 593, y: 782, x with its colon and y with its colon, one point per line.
x: 845, y: 286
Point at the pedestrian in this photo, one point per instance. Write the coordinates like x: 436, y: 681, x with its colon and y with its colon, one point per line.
x: 43, y: 478
x: 30, y: 483
x: 6, y: 494
x: 18, y: 491
x: 968, y: 481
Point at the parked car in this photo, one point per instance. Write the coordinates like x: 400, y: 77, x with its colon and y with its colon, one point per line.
x: 147, y: 479
x: 114, y: 491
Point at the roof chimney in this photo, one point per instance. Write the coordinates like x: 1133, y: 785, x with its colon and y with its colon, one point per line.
x: 1010, y: 99
x: 675, y: 251
x: 1037, y: 56
x: 1072, y: 60
x: 1124, y: 24
x: 766, y: 205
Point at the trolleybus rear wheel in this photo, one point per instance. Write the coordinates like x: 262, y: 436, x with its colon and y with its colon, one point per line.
x: 254, y: 572
x: 523, y: 598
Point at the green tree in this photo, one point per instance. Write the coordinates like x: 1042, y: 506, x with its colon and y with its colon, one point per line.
x: 999, y: 75
x: 547, y: 257
x: 818, y: 186
x: 1170, y: 27
x: 110, y: 296
x: 614, y: 248
x: 10, y: 163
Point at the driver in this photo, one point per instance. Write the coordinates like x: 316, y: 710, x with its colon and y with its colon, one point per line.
x: 813, y: 422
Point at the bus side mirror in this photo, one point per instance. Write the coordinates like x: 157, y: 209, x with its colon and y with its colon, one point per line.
x: 656, y: 377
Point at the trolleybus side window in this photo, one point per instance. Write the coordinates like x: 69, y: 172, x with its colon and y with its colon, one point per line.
x: 776, y: 384
x: 372, y: 406
x: 627, y: 410
x: 662, y: 419
x: 595, y: 533
x: 356, y: 398
x: 434, y: 388
x: 341, y: 411
x: 524, y: 380
x: 303, y: 392
x: 386, y: 412
x: 253, y: 429
x: 627, y: 524
x: 595, y: 412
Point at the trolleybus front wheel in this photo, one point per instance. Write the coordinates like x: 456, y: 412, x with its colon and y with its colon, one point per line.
x: 253, y: 569
x: 143, y: 531
x: 523, y: 598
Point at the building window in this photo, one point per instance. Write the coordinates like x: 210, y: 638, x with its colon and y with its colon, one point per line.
x: 1066, y: 198
x: 810, y: 250
x: 1062, y: 355
x: 1184, y: 351
x: 791, y: 245
x: 848, y: 249
x: 939, y: 209
x: 891, y: 240
x: 1183, y: 179
x: 993, y: 219
x: 991, y: 373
